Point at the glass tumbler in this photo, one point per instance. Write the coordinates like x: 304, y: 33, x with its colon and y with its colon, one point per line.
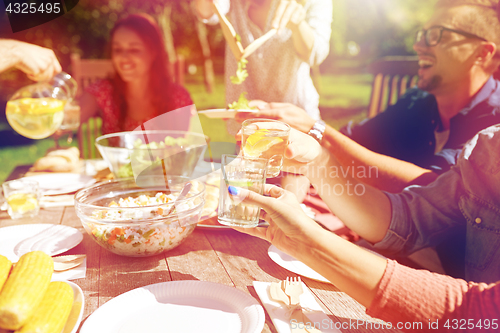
x: 250, y: 174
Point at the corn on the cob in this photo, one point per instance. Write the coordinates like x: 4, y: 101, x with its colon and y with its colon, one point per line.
x: 24, y: 289
x: 5, y: 266
x: 52, y: 313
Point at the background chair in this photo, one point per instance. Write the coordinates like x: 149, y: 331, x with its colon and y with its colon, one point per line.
x: 392, y: 77
x: 86, y: 72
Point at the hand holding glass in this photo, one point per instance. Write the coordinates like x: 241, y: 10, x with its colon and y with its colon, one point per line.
x: 267, y: 139
x: 238, y: 171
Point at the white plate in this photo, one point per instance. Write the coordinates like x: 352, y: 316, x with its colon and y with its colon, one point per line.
x: 222, y: 113
x: 75, y: 317
x: 61, y: 183
x: 280, y: 315
x: 293, y: 265
x: 180, y: 307
x: 50, y: 238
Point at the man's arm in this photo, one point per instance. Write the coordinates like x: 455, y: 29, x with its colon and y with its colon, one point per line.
x: 37, y: 62
x: 415, y: 217
x: 363, y: 208
x: 381, y: 171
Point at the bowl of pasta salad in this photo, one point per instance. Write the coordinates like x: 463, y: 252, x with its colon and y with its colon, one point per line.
x: 140, y: 221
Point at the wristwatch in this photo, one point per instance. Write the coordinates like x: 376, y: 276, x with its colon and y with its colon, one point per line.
x: 317, y: 130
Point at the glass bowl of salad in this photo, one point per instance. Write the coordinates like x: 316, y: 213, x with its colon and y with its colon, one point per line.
x: 152, y: 152
x: 140, y: 221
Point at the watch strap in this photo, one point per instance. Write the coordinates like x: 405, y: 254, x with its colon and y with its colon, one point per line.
x: 317, y: 130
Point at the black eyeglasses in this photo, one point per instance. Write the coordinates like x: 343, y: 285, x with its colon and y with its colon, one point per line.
x: 433, y: 35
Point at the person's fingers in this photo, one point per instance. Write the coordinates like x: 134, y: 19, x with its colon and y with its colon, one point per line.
x: 279, y: 13
x: 298, y: 16
x: 257, y: 103
x: 302, y: 147
x: 274, y: 191
x: 277, y: 105
x: 257, y: 232
x: 242, y: 116
x: 250, y: 197
x: 46, y: 74
x: 56, y: 65
x: 287, y: 14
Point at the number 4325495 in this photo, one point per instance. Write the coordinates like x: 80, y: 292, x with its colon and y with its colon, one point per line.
x: 464, y: 324
x: 32, y: 8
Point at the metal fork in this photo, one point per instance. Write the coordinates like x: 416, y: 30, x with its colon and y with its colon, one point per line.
x: 293, y: 288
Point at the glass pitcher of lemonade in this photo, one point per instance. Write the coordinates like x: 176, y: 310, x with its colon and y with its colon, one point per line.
x: 37, y: 111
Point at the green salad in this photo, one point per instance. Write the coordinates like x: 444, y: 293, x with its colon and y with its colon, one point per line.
x: 161, y: 154
x: 241, y: 74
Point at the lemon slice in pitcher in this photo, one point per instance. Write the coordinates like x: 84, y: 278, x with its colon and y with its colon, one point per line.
x: 257, y: 143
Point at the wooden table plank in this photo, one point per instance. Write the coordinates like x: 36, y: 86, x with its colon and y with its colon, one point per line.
x: 89, y: 284
x: 45, y: 216
x: 195, y: 259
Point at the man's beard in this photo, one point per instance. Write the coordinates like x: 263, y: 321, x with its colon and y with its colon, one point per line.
x: 430, y: 84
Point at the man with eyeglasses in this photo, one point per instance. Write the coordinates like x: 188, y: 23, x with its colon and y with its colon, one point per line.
x: 420, y: 137
x: 456, y: 95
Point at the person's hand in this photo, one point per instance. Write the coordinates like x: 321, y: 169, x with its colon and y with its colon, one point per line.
x: 39, y: 63
x: 302, y: 153
x: 285, y: 112
x: 289, y: 14
x: 289, y: 227
x: 203, y: 9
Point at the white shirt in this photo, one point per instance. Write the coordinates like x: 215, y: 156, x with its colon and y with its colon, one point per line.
x: 276, y: 72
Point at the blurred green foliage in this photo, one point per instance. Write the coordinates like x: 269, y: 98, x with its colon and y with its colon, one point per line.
x: 378, y: 27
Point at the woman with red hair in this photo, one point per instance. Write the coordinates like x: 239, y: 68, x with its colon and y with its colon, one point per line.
x: 142, y: 87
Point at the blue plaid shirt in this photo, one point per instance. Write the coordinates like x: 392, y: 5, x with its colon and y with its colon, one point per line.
x: 466, y: 198
x: 406, y: 129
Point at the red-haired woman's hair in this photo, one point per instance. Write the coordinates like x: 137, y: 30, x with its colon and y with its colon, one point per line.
x: 160, y: 78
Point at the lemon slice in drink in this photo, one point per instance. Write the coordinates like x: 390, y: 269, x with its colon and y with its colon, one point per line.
x: 22, y: 202
x: 257, y: 143
x: 240, y: 183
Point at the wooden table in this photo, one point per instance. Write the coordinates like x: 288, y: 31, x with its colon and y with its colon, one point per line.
x: 223, y: 256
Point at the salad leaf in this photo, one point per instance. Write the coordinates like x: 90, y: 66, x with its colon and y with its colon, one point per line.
x: 241, y: 72
x: 153, y: 157
x: 241, y: 104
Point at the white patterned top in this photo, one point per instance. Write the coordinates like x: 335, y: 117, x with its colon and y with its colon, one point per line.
x: 276, y: 72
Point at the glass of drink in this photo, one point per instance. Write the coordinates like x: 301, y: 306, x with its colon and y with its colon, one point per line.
x: 241, y: 172
x: 22, y: 197
x: 70, y: 123
x: 267, y: 139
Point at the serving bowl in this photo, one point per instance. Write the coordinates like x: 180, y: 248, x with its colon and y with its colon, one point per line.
x: 152, y: 152
x: 136, y: 221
